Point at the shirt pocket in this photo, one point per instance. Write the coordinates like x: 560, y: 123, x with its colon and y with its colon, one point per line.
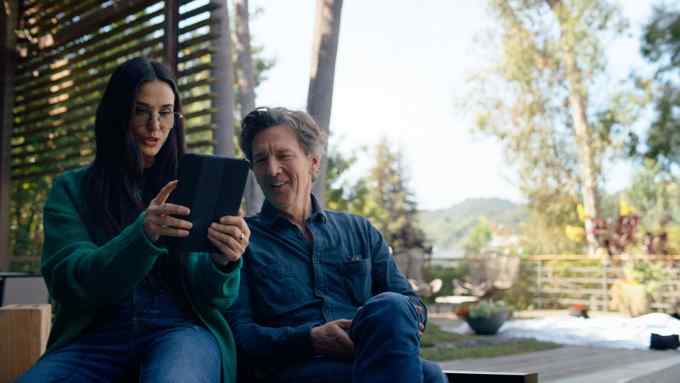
x: 357, y: 276
x: 278, y: 287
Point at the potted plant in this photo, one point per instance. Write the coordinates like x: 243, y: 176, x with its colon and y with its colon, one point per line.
x: 484, y: 317
x: 640, y: 285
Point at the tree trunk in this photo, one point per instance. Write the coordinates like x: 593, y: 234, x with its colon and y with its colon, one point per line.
x: 245, y: 77
x: 578, y: 101
x: 223, y: 88
x: 320, y: 95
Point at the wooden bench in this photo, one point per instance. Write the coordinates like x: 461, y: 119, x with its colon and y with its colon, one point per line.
x: 23, y: 336
x: 24, y: 330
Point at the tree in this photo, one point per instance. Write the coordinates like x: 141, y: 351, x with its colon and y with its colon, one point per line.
x: 480, y: 236
x: 655, y: 195
x: 343, y: 194
x: 661, y: 46
x: 390, y: 204
x: 320, y: 95
x: 245, y: 81
x: 538, y: 102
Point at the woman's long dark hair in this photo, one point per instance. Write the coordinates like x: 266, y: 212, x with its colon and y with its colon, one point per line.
x: 116, y: 186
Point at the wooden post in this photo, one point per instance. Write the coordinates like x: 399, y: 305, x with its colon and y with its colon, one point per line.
x: 8, y: 58
x: 245, y: 77
x: 320, y: 94
x: 24, y: 330
x: 223, y: 88
x: 170, y: 40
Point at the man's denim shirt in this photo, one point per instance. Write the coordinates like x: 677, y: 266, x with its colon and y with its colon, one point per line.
x: 290, y: 284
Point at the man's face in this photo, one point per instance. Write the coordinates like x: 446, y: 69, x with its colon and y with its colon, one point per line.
x: 283, y: 169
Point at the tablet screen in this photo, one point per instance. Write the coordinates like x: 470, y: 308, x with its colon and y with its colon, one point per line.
x: 212, y: 187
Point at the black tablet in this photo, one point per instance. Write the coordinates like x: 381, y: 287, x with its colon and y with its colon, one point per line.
x: 212, y: 187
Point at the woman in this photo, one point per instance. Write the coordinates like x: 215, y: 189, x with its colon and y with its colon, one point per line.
x: 125, y: 306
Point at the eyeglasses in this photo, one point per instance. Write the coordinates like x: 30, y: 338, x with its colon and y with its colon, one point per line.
x: 142, y: 116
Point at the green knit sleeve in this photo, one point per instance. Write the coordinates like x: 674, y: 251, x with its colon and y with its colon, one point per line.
x: 209, y: 285
x: 78, y: 271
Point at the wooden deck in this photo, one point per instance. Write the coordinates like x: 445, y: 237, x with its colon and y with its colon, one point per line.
x: 572, y: 364
x: 581, y: 364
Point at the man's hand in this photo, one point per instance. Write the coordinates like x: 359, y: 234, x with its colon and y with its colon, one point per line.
x: 332, y: 339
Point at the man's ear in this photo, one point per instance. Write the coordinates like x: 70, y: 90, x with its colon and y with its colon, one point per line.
x: 316, y: 164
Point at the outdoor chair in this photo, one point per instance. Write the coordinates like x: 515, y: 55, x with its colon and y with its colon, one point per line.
x: 490, y: 274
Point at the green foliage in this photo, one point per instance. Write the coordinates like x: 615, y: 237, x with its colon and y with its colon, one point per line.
x: 343, y: 194
x: 485, y: 309
x: 655, y: 195
x: 440, y: 345
x: 521, y: 295
x: 383, y: 196
x: 480, y: 236
x: 546, y: 56
x: 448, y: 228
x: 507, y: 347
x: 661, y: 46
x: 394, y: 208
x: 649, y: 274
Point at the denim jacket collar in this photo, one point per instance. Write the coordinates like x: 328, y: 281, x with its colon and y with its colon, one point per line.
x: 269, y: 215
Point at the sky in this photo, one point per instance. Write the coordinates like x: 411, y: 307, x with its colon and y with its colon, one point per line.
x: 401, y: 67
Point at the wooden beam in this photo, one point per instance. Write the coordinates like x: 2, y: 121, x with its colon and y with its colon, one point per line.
x: 171, y: 37
x: 8, y: 59
x: 497, y: 377
x: 100, y: 17
x: 223, y: 73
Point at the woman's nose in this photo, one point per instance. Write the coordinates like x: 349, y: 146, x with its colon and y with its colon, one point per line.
x: 153, y: 123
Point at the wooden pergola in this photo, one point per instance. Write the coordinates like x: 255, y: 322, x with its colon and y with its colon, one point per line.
x: 56, y: 59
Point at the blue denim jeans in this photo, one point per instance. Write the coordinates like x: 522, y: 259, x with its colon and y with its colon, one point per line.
x: 386, y: 348
x: 148, y: 339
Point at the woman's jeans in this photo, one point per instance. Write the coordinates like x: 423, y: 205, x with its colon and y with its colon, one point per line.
x: 146, y: 339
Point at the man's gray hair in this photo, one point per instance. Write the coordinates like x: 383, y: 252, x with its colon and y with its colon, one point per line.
x: 310, y: 137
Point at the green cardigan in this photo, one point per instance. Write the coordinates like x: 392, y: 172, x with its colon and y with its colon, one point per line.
x: 83, y: 277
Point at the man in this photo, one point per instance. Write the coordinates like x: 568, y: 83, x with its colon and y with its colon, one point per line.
x: 321, y: 299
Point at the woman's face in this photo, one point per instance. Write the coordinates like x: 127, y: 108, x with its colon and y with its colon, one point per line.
x: 153, y: 116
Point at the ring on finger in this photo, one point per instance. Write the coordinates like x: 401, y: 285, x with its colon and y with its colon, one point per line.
x: 241, y: 237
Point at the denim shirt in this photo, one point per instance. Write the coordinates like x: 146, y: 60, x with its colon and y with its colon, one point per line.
x: 290, y: 284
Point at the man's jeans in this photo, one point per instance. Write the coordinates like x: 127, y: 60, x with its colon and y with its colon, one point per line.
x: 147, y: 336
x: 386, y: 347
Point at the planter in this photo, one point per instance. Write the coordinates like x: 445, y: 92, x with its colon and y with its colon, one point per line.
x: 488, y: 325
x: 630, y: 298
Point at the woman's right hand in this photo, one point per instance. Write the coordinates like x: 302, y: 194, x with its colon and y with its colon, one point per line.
x: 159, y: 219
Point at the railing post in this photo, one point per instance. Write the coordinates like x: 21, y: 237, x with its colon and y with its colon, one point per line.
x: 605, y: 289
x: 539, y: 283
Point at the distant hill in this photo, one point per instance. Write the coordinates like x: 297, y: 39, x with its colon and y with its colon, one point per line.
x: 447, y: 228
